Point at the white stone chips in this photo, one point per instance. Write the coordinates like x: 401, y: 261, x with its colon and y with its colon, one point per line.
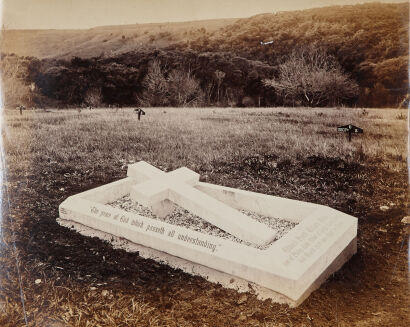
x: 293, y: 266
x: 182, y: 217
x: 178, y: 187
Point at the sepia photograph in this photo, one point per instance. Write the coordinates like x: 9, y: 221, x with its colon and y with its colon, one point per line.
x: 172, y: 163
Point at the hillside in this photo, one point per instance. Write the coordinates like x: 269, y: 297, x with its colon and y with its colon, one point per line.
x: 219, y: 62
x: 109, y: 40
x: 371, y: 41
x: 370, y: 31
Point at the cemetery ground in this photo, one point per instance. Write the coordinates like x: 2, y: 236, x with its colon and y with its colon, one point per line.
x: 65, y: 279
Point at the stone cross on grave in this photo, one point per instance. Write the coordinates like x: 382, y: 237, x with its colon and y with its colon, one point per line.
x: 159, y: 190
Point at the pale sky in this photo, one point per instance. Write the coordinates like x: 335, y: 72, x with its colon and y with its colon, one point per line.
x: 66, y: 14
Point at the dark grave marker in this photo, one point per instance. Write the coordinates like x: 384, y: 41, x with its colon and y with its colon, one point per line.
x: 21, y: 108
x: 140, y: 112
x: 350, y: 129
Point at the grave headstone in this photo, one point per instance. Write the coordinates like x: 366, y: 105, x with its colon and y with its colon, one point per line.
x: 291, y: 266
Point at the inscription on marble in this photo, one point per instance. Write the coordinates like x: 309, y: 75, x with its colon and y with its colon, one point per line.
x: 308, y: 240
x: 151, y: 228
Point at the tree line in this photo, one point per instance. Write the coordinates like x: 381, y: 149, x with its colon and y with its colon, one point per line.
x: 344, y: 55
x: 177, y: 78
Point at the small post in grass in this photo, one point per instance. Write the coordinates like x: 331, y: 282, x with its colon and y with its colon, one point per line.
x: 21, y: 108
x: 140, y: 112
x: 350, y: 129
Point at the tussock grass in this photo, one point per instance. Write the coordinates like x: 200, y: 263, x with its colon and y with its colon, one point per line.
x: 197, y: 138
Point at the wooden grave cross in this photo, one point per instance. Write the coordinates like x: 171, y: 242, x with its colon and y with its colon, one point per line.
x: 160, y: 189
x: 140, y: 112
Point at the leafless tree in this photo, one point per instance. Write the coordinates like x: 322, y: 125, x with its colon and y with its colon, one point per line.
x: 219, y: 75
x: 184, y: 89
x: 13, y: 73
x: 314, y: 78
x: 93, y: 97
x: 177, y: 88
x: 155, y: 85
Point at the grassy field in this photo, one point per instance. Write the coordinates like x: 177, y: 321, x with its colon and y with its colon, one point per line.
x: 199, y: 137
x: 289, y: 152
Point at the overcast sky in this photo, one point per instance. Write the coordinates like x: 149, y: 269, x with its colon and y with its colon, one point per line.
x: 64, y: 14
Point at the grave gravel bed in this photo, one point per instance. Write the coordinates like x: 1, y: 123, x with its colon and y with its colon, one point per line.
x: 184, y: 218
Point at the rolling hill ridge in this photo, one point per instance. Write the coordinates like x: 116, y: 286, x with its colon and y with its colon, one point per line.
x: 228, y: 59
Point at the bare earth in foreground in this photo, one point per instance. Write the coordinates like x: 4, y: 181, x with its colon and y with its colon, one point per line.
x: 52, y: 276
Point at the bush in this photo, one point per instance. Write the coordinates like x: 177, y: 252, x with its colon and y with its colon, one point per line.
x: 248, y: 102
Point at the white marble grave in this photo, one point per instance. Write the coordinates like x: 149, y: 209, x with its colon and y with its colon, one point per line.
x: 291, y: 267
